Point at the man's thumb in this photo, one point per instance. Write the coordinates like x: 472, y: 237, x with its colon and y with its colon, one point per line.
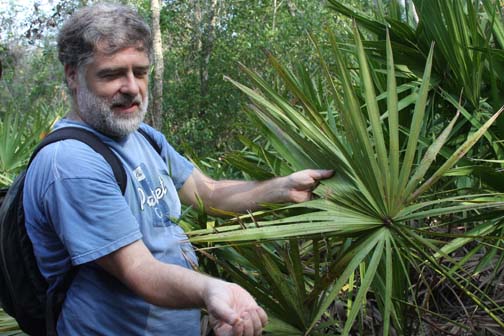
x: 226, y: 315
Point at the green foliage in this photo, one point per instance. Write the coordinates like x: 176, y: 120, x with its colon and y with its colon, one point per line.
x: 367, y: 244
x: 468, y: 61
x: 404, y: 229
x: 243, y: 30
x: 8, y: 325
x: 32, y: 99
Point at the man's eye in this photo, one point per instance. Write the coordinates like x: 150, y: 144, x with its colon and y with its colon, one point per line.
x: 109, y: 75
x: 140, y: 74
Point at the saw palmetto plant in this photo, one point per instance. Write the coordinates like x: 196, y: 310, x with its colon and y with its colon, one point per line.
x: 467, y: 65
x: 19, y: 135
x: 369, y: 252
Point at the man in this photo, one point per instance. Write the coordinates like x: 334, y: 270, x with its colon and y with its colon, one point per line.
x: 134, y: 274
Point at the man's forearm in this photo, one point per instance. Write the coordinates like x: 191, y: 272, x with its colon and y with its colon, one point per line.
x: 231, y: 195
x: 230, y: 307
x: 165, y: 285
x: 170, y: 286
x: 241, y: 196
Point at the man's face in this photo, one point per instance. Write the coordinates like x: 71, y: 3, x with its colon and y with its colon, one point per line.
x: 111, y: 91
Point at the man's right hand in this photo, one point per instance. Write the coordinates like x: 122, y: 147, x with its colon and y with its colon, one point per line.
x: 232, y: 310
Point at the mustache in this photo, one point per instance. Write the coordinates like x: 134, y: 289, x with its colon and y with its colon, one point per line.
x: 126, y: 100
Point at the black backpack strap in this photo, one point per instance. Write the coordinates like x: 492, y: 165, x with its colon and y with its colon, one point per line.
x: 93, y: 141
x: 153, y: 143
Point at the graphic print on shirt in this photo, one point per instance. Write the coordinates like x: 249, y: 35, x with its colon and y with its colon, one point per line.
x: 152, y: 194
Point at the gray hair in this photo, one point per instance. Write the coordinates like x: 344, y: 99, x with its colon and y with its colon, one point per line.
x: 110, y: 26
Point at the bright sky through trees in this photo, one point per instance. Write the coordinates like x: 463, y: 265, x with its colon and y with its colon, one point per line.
x: 17, y: 13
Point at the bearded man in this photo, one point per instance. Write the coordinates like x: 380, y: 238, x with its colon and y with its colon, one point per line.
x: 134, y: 263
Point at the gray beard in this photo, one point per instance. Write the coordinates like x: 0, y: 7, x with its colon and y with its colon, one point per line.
x: 97, y: 113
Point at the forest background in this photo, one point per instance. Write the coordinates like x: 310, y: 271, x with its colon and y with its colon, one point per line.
x: 401, y: 98
x: 202, y: 41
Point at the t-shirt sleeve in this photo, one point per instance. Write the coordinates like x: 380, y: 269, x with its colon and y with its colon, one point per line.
x: 179, y: 167
x: 88, y: 212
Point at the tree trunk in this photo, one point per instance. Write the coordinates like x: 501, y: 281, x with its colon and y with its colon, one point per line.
x: 275, y: 8
x: 156, y: 109
x: 207, y: 43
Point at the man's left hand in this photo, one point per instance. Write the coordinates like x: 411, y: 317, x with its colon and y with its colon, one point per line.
x: 300, y: 185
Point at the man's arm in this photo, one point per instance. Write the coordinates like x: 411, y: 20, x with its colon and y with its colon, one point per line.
x: 240, y: 196
x: 232, y: 310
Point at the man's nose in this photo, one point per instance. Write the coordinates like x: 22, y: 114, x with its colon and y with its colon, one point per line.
x: 130, y: 85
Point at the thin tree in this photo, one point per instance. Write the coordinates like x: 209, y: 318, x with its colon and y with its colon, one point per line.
x: 156, y: 110
x: 207, y: 38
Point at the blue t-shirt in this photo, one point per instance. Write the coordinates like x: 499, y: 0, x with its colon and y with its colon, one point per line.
x: 75, y: 214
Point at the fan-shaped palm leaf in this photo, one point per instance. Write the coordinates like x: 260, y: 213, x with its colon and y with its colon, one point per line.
x: 366, y: 209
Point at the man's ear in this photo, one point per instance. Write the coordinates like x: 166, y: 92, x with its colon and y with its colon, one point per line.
x: 71, y: 74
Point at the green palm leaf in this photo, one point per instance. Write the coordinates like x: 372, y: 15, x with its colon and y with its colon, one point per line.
x: 365, y: 211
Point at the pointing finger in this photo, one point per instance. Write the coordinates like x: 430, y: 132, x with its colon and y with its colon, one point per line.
x: 319, y: 174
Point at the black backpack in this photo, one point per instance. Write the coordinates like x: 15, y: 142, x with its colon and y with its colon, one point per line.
x: 23, y: 290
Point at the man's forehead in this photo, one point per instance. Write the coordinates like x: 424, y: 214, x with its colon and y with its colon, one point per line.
x: 110, y: 45
x: 109, y: 48
x: 138, y: 56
